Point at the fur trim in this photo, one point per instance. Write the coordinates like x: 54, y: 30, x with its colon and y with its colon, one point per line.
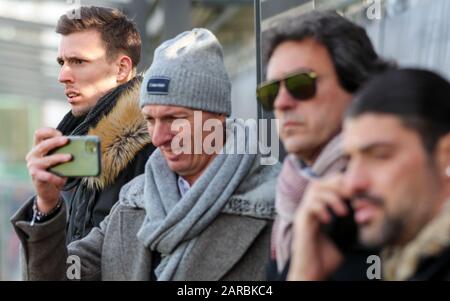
x: 123, y: 133
x: 433, y: 239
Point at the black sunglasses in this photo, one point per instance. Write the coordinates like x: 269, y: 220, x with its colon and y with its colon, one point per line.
x: 301, y: 85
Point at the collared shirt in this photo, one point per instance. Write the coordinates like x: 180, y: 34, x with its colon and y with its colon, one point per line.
x: 305, y: 169
x: 309, y: 171
x: 183, y: 186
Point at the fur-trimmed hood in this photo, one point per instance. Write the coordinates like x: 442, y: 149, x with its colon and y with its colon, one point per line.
x: 123, y: 133
x: 432, y: 240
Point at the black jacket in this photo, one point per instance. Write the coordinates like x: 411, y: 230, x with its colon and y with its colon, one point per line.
x: 436, y: 268
x: 126, y: 147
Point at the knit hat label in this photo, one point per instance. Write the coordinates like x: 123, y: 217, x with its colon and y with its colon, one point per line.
x: 158, y: 85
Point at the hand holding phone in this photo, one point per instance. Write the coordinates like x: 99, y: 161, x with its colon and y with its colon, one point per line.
x: 315, y: 256
x: 47, y: 185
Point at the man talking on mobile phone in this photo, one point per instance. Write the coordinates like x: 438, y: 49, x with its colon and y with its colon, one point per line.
x: 98, y: 54
x: 397, y: 138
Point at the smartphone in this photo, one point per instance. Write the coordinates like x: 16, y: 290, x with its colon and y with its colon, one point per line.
x: 343, y: 231
x: 85, y: 151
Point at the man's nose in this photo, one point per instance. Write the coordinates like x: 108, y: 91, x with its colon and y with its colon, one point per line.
x: 356, y: 178
x: 160, y: 134
x: 284, y: 100
x: 65, y: 75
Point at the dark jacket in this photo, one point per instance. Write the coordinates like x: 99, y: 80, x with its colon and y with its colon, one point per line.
x: 436, y: 268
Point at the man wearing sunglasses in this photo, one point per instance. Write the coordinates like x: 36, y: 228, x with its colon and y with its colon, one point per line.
x: 314, y: 64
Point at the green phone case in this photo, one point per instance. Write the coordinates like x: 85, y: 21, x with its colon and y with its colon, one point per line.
x: 85, y: 151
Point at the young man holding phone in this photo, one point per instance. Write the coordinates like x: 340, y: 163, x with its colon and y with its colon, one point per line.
x: 98, y: 54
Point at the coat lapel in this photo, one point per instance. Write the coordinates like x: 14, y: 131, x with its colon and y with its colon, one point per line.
x: 136, y: 258
x: 220, y: 247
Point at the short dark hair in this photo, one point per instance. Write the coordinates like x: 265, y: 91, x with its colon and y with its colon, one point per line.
x: 350, y: 48
x: 420, y: 98
x: 119, y: 34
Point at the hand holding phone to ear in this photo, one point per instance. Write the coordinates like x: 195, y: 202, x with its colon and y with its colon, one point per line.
x: 315, y: 255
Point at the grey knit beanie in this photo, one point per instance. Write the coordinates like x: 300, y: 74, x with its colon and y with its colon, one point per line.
x: 188, y: 71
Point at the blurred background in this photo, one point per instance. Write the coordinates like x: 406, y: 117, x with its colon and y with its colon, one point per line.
x: 413, y: 32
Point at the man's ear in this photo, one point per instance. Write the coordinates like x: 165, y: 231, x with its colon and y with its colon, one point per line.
x: 125, y: 69
x: 443, y: 155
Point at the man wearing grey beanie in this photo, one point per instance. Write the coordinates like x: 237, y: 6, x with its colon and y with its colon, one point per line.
x: 199, y: 212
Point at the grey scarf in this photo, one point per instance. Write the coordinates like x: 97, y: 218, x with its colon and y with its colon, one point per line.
x: 173, y: 223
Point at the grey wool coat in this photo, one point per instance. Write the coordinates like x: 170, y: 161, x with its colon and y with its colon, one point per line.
x: 232, y: 247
